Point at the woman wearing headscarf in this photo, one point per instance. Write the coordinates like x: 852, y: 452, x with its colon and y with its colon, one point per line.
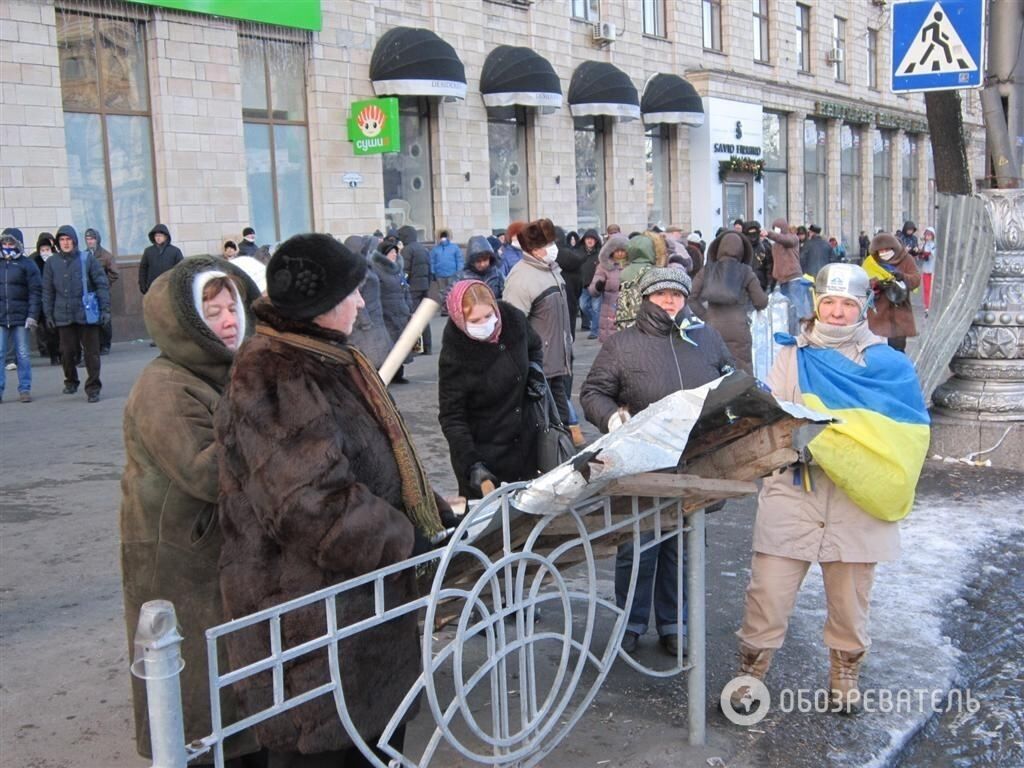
x: 893, y: 274
x: 723, y: 291
x: 611, y: 260
x: 485, y: 381
x: 197, y: 315
x: 838, y: 505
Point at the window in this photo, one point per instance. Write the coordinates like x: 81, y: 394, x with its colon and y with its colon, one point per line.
x: 656, y: 153
x: 803, y: 37
x: 107, y: 128
x: 408, y: 186
x: 589, y: 137
x: 587, y: 10
x: 910, y: 158
x: 776, y: 158
x: 838, y: 53
x: 654, y: 17
x: 873, y: 59
x: 276, y: 137
x: 506, y: 144
x: 762, y: 50
x: 815, y: 172
x: 712, y: 24
x: 882, y: 181
x: 850, y: 186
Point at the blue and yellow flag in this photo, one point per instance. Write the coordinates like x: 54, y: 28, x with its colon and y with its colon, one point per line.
x: 875, y: 453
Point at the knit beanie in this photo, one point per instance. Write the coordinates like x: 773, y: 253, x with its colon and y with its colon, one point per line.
x: 664, y: 279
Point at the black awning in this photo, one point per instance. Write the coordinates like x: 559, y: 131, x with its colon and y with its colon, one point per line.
x: 520, y: 76
x: 599, y: 88
x: 671, y: 99
x: 408, y: 61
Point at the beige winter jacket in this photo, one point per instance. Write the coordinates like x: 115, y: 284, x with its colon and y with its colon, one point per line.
x: 823, y: 525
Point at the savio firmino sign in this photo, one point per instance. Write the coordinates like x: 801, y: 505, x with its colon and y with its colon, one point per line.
x: 373, y: 126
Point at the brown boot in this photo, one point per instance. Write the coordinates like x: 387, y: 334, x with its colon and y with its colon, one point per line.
x: 753, y: 662
x: 577, y: 435
x: 843, y: 672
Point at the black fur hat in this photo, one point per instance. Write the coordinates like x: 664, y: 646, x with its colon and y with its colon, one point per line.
x: 310, y: 274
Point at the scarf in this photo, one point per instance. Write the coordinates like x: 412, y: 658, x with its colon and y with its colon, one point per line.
x: 417, y: 497
x: 458, y: 317
x: 655, y: 321
x: 828, y: 336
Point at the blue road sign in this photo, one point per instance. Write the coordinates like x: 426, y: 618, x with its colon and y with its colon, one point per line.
x: 937, y: 44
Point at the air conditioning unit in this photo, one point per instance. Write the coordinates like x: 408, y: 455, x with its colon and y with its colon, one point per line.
x: 604, y: 32
x: 835, y: 56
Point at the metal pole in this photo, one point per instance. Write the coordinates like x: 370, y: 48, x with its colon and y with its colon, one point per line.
x: 158, y: 661
x: 696, y: 681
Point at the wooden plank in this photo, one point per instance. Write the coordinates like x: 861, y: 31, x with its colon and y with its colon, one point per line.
x: 755, y: 455
x: 672, y: 485
x: 711, y: 441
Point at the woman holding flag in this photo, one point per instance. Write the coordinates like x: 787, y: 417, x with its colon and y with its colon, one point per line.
x: 839, y: 505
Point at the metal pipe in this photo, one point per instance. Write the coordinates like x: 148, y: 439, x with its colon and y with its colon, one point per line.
x: 696, y: 680
x: 1006, y: 24
x: 158, y: 648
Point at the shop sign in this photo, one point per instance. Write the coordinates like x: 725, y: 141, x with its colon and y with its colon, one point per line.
x: 373, y: 127
x: 298, y: 14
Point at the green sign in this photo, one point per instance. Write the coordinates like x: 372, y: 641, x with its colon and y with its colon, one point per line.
x: 300, y: 14
x: 373, y: 127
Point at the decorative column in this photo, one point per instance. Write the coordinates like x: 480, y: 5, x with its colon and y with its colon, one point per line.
x: 988, y: 369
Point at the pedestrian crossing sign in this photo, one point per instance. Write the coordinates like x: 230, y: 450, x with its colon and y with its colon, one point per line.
x: 937, y: 44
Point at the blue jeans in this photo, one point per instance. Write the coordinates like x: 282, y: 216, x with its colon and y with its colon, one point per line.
x: 656, y: 577
x: 591, y: 307
x: 799, y: 295
x: 17, y: 335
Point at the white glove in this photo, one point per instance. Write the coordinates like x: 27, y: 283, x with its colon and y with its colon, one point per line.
x: 31, y: 322
x: 617, y: 419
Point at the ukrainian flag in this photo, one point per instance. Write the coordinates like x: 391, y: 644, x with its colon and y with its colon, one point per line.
x: 875, y: 453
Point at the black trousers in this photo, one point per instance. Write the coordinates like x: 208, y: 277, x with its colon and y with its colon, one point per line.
x: 88, y: 336
x: 560, y: 387
x: 416, y: 299
x: 343, y: 758
x: 106, y: 336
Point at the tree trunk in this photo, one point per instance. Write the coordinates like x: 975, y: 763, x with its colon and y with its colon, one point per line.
x: 949, y: 147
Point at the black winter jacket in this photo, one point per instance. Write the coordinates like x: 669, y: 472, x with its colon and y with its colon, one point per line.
x: 590, y: 262
x: 394, y: 293
x: 481, y: 392
x: 157, y: 259
x: 21, y: 291
x: 62, y: 284
x: 815, y: 254
x: 649, y: 360
x: 417, y: 261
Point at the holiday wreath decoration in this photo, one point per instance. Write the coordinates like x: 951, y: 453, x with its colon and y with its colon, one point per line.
x: 736, y: 164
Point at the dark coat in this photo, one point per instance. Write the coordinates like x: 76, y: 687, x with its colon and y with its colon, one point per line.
x: 589, y: 257
x: 157, y: 259
x: 481, y: 389
x: 62, y: 284
x: 417, y: 261
x: 170, y: 537
x: 245, y: 248
x: 105, y: 257
x: 21, y: 291
x: 310, y: 495
x: 477, y: 247
x: 394, y: 294
x: 815, y: 254
x: 369, y: 334
x: 643, y: 363
x: 896, y: 320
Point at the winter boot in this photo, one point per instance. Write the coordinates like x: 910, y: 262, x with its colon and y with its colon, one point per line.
x: 753, y: 662
x: 577, y: 435
x: 843, y: 671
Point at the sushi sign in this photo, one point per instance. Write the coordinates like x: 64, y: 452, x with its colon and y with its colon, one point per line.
x: 373, y: 127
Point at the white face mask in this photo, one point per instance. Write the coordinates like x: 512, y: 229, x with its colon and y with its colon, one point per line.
x: 44, y: 255
x: 550, y: 254
x: 776, y: 230
x: 482, y: 330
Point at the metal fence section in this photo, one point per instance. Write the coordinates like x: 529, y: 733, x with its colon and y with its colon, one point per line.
x: 533, y: 676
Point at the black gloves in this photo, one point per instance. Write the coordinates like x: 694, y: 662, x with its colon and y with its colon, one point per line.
x: 897, y: 275
x: 478, y: 474
x: 599, y: 286
x: 104, y: 318
x: 536, y: 384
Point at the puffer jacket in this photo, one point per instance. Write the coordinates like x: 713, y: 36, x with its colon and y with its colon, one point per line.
x: 417, y: 261
x: 538, y: 291
x: 157, y: 259
x: 641, y: 364
x: 170, y: 535
x: 478, y: 245
x: 606, y: 283
x: 590, y: 257
x: 62, y: 283
x: 21, y: 288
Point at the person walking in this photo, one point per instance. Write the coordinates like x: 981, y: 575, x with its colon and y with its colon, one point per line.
x: 664, y: 351
x: 158, y: 257
x: 445, y: 262
x: 604, y: 287
x: 590, y: 305
x: 94, y: 244
x: 386, y: 263
x: 816, y: 252
x: 20, y: 304
x: 570, y: 260
x: 47, y: 340
x: 489, y: 370
x: 417, y: 271
x: 482, y: 264
x: 170, y: 534
x: 926, y: 266
x: 67, y: 277
x: 787, y: 273
x: 839, y: 505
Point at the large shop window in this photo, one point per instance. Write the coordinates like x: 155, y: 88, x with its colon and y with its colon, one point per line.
x: 506, y: 144
x: 276, y: 137
x: 910, y: 158
x: 107, y: 128
x: 815, y: 172
x: 590, y: 180
x: 883, y: 180
x: 408, y: 187
x: 850, y: 186
x: 657, y: 143
x: 776, y: 160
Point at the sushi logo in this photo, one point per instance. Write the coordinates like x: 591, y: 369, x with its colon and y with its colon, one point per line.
x: 371, y: 121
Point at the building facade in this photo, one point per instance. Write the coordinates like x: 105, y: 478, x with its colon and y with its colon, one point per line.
x: 119, y: 115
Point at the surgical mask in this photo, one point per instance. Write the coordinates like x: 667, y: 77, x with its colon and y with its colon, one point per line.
x: 251, y: 238
x: 550, y: 254
x: 444, y: 241
x: 9, y: 253
x: 776, y: 230
x: 482, y: 330
x: 886, y: 255
x: 44, y: 255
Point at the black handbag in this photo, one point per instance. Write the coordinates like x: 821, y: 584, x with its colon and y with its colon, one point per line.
x: 554, y: 443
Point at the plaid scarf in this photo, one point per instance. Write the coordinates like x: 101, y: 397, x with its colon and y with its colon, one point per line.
x: 417, y: 497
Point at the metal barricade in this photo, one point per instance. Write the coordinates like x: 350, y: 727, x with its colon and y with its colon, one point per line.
x: 778, y: 316
x: 499, y: 570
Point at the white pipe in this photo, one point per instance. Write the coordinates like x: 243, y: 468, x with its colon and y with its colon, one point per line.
x: 413, y: 330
